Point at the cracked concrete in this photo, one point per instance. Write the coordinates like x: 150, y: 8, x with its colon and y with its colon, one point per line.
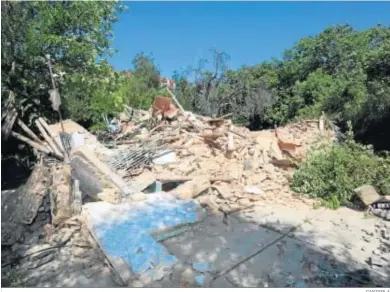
x: 309, y: 248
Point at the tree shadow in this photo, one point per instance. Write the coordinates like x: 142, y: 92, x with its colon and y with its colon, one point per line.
x: 240, y: 253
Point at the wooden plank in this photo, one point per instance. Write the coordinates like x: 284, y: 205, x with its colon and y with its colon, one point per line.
x: 48, y: 137
x: 33, y: 144
x: 51, y: 134
x: 49, y: 140
x: 27, y: 130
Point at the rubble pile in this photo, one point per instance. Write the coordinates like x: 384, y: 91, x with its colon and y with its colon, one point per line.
x: 64, y: 255
x: 230, y: 167
x: 166, y: 149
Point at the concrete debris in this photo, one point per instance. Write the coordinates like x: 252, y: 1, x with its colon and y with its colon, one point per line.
x: 60, y: 238
x: 61, y: 195
x: 194, y: 159
x: 367, y: 194
x: 198, y: 146
x: 137, y: 197
x: 21, y: 206
x: 165, y: 157
x: 193, y: 188
x: 253, y: 190
x: 95, y: 176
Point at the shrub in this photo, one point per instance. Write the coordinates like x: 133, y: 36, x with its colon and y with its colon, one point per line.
x: 333, y: 171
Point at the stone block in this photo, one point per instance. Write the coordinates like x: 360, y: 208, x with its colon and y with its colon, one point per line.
x: 367, y: 194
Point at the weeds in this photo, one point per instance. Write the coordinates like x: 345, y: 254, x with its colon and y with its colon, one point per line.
x: 331, y: 172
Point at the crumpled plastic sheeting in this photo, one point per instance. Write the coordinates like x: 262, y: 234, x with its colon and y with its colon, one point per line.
x: 124, y: 229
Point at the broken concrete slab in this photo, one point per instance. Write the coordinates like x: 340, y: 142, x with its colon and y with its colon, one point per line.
x: 61, y: 193
x: 136, y: 198
x: 218, y: 246
x: 367, y: 194
x: 288, y: 263
x: 165, y: 157
x: 192, y: 188
x: 22, y: 206
x: 143, y: 181
x: 93, y: 177
x: 224, y: 190
x: 123, y: 232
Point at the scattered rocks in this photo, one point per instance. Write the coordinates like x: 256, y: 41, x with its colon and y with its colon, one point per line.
x: 63, y: 236
x: 385, y: 234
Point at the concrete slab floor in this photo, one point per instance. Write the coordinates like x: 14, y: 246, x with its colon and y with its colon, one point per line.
x: 324, y: 251
x: 283, y: 262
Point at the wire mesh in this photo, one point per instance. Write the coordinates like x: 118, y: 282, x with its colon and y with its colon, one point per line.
x: 133, y: 158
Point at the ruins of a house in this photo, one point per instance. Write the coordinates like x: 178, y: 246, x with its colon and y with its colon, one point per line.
x: 166, y: 170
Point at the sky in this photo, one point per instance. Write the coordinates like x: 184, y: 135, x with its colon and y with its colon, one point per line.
x: 178, y: 34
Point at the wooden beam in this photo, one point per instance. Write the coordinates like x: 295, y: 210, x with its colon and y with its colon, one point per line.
x: 49, y: 140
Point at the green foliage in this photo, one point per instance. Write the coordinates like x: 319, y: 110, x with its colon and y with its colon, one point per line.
x: 333, y: 171
x: 94, y: 95
x: 74, y: 34
x: 340, y: 71
x: 141, y: 88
